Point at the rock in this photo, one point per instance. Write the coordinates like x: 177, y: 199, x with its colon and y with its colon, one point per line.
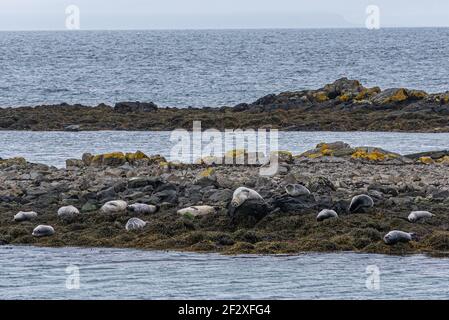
x: 250, y: 211
x: 126, y: 107
x: 89, y: 207
x: 397, y: 95
x: 220, y: 196
x: 294, y: 204
x: 196, y: 211
x: 321, y: 184
x: 74, y: 163
x: 384, y: 189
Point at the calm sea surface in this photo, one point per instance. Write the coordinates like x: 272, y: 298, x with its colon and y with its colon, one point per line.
x: 212, y: 68
x: 41, y: 273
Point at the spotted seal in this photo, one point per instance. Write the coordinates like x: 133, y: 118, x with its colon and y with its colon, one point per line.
x: 68, y: 212
x: 415, y: 216
x: 397, y: 236
x: 25, y: 216
x: 296, y: 190
x: 326, y: 214
x: 114, y: 206
x: 197, y: 211
x: 135, y: 224
x: 142, y: 208
x: 242, y: 194
x: 360, y: 203
x: 43, y: 231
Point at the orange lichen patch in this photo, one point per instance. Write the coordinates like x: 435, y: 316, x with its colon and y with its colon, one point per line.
x: 344, y: 97
x: 320, y: 96
x: 374, y: 155
x: 426, y: 160
x: 399, y: 96
x: 366, y: 93
x: 207, y: 172
x: 443, y: 160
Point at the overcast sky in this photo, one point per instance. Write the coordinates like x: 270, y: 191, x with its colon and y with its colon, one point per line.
x: 212, y: 14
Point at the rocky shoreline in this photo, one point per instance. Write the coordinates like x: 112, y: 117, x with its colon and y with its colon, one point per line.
x: 283, y: 220
x: 356, y: 107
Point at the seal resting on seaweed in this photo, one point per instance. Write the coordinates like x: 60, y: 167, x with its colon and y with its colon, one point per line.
x: 43, y: 231
x: 68, y: 212
x: 360, y: 203
x: 142, y: 208
x: 326, y: 214
x: 114, y: 206
x: 396, y: 236
x: 415, y: 216
x: 25, y: 216
x: 135, y: 224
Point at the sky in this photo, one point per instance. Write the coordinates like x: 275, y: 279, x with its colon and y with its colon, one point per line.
x: 219, y: 14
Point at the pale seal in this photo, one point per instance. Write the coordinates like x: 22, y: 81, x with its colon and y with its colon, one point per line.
x: 360, y: 202
x: 242, y: 194
x: 68, y: 212
x: 142, y: 208
x: 115, y: 206
x: 135, y: 224
x: 296, y: 190
x: 197, y: 211
x: 25, y: 216
x: 415, y: 216
x: 326, y: 214
x: 396, y: 236
x: 43, y: 231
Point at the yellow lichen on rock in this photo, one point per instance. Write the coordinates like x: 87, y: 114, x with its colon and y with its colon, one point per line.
x: 320, y: 96
x: 344, y: 97
x: 207, y: 172
x: 399, y: 96
x: 367, y: 93
x: 372, y: 155
x: 138, y: 155
x: 235, y: 153
x: 426, y: 160
x: 443, y: 160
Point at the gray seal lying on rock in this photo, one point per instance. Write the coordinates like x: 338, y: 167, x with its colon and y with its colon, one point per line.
x: 242, y: 194
x: 142, y: 208
x: 25, y: 216
x: 360, y: 202
x: 326, y: 214
x: 68, y: 212
x: 114, y: 206
x: 396, y: 236
x: 415, y: 216
x: 197, y: 211
x: 135, y: 224
x: 43, y: 231
x: 296, y: 190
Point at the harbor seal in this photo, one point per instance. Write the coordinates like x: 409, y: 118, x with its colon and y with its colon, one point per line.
x: 142, y: 208
x: 43, y: 231
x: 415, y: 216
x: 197, y: 211
x: 296, y: 190
x: 360, y: 203
x: 135, y: 224
x: 68, y: 212
x: 242, y: 194
x: 25, y: 216
x: 114, y: 206
x: 397, y: 236
x: 326, y: 214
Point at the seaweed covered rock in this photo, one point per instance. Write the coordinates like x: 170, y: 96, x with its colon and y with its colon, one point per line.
x: 125, y: 107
